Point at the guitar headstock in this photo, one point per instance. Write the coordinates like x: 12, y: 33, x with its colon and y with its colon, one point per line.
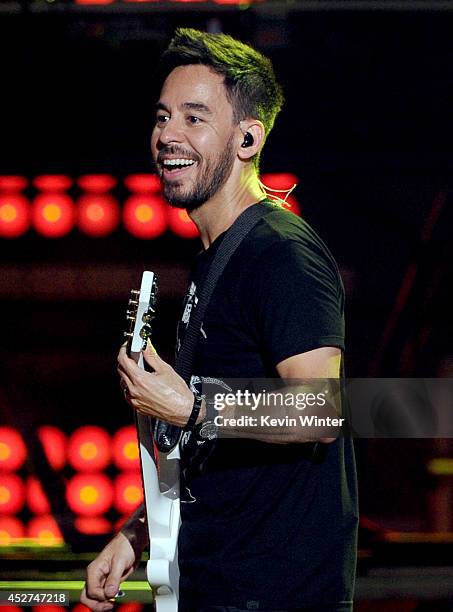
x: 140, y: 314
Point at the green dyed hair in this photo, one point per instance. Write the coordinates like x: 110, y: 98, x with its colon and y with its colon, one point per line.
x: 250, y: 83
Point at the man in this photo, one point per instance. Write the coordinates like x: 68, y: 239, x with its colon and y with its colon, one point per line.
x: 267, y: 523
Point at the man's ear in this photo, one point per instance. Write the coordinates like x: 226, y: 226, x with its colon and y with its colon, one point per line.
x: 253, y: 134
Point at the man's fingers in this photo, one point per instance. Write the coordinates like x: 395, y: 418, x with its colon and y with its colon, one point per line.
x: 93, y: 604
x: 152, y: 358
x: 112, y: 584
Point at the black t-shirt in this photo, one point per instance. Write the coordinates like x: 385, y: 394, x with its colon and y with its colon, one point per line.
x: 267, y: 526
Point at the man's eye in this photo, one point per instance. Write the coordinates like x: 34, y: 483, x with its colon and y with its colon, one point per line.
x: 162, y: 118
x: 194, y: 120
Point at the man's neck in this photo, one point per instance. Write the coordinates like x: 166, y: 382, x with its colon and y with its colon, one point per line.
x: 220, y: 212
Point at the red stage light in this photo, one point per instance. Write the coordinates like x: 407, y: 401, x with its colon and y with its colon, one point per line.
x: 144, y: 216
x: 49, y: 608
x: 52, y: 182
x: 142, y: 183
x: 80, y: 608
x: 293, y: 205
x: 131, y: 606
x: 36, y: 498
x: 12, y: 493
x: 11, y: 530
x: 14, y: 215
x: 53, y: 214
x: 93, y: 525
x: 89, y: 448
x: 44, y: 529
x: 53, y: 441
x: 94, y: 1
x: 279, y: 180
x: 13, y: 183
x: 96, y: 183
x: 180, y: 223
x: 12, y: 449
x: 128, y: 492
x: 125, y: 451
x: 98, y: 214
x: 89, y: 494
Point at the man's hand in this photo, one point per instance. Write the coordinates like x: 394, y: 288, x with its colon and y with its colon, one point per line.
x: 104, y: 575
x: 162, y: 393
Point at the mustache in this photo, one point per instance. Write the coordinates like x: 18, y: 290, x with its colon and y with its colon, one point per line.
x: 175, y: 150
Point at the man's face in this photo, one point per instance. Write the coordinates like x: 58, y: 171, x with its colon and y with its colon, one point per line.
x: 192, y: 141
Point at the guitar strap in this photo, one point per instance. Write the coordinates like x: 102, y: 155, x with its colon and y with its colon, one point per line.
x: 167, y: 436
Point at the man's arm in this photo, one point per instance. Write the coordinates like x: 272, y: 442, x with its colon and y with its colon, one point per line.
x: 322, y: 366
x: 115, y: 563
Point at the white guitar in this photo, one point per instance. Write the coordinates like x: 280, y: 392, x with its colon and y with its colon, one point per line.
x: 160, y: 472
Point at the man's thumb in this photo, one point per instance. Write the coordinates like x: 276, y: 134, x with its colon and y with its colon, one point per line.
x: 112, y: 584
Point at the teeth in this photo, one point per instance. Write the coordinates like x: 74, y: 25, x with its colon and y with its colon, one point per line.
x: 178, y: 162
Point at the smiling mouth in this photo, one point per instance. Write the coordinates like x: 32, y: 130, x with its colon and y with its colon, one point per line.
x: 176, y: 167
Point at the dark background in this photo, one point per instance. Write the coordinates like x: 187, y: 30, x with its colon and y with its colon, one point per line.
x: 366, y: 127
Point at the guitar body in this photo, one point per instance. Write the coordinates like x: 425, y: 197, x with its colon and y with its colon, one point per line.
x: 160, y: 472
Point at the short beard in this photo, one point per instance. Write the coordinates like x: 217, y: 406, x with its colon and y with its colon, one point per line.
x: 212, y: 179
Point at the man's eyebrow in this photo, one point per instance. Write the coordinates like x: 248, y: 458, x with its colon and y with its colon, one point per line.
x: 197, y: 106
x: 161, y: 106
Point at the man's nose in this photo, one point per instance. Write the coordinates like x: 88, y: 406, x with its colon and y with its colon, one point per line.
x: 171, y: 132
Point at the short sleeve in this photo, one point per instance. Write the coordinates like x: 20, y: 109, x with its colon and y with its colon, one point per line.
x: 299, y: 299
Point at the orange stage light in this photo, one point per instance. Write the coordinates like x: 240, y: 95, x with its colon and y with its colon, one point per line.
x: 53, y: 214
x: 144, y: 216
x: 12, y: 449
x: 89, y: 448
x: 93, y: 525
x: 36, y: 498
x: 13, y: 183
x: 180, y: 223
x: 11, y: 530
x: 14, y: 215
x: 52, y: 182
x: 128, y: 492
x: 12, y: 493
x: 96, y: 183
x: 98, y: 214
x: 89, y: 494
x: 142, y: 183
x: 53, y: 441
x: 125, y: 451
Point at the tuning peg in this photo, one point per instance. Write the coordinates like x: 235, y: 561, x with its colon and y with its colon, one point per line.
x: 133, y: 302
x: 135, y: 292
x: 130, y: 318
x: 128, y: 334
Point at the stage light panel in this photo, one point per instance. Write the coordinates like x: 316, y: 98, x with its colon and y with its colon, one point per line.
x: 12, y: 493
x: 12, y: 449
x: 89, y: 494
x: 180, y: 223
x: 144, y: 216
x: 53, y: 214
x: 125, y: 452
x: 128, y: 492
x: 98, y: 214
x: 15, y: 215
x: 54, y: 443
x: 89, y: 448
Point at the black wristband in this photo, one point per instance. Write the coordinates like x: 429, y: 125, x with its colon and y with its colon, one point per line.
x: 197, y: 399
